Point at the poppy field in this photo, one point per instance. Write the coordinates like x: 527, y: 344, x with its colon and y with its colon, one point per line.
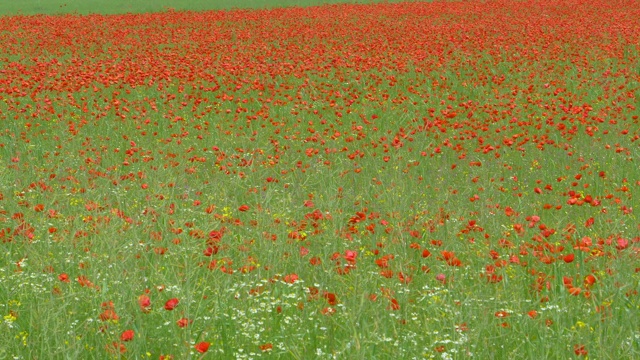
x: 443, y: 180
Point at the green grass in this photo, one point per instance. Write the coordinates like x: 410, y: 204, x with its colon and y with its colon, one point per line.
x: 31, y: 7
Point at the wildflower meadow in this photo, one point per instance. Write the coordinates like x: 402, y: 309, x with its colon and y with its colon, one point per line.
x: 420, y: 180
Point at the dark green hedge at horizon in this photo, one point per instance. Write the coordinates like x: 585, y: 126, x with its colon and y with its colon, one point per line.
x: 32, y: 7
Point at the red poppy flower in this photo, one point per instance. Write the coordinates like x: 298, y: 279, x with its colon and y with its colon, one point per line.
x: 447, y: 255
x: 144, y: 302
x: 393, y: 305
x: 290, y: 278
x: 202, y: 347
x: 210, y: 250
x: 589, y: 280
x: 183, y: 322
x: 350, y: 256
x: 331, y: 298
x: 328, y: 311
x: 575, y: 291
x: 109, y: 314
x: 84, y: 281
x: 243, y: 208
x: 171, y: 304
x: 567, y: 282
x: 622, y: 244
x: 127, y: 335
x: 568, y: 258
x: 579, y: 350
x: 450, y: 258
x: 303, y: 251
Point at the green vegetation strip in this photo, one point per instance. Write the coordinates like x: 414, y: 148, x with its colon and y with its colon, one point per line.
x: 52, y: 7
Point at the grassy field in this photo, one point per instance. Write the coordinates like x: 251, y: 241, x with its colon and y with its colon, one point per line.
x: 446, y: 180
x: 32, y: 7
